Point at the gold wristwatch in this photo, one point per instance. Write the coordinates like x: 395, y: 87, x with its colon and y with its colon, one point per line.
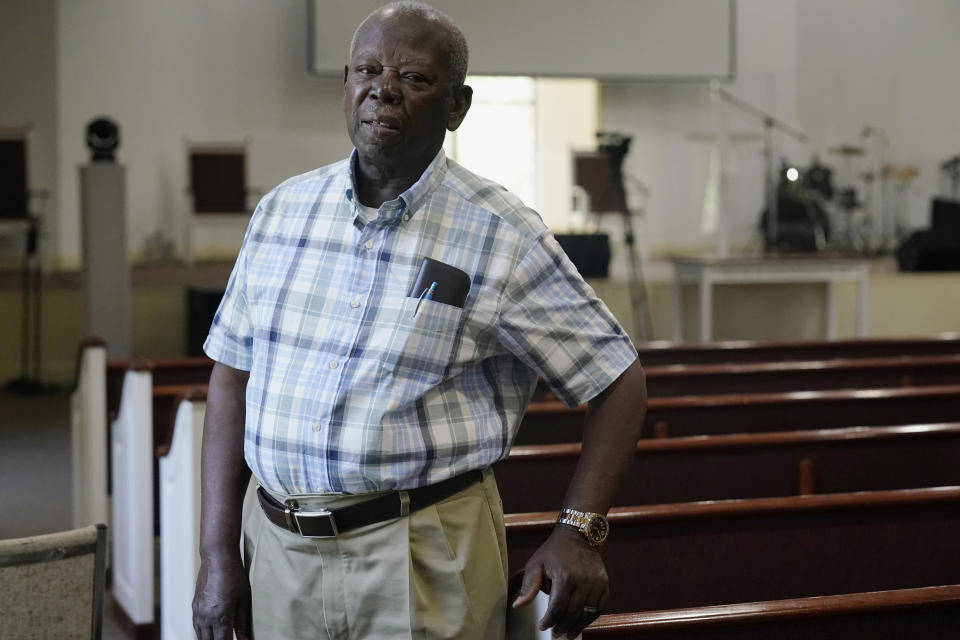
x: 592, y: 526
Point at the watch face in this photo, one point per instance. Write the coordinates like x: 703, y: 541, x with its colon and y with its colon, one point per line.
x: 597, y: 530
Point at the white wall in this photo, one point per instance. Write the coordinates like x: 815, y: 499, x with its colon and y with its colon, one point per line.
x: 28, y: 97
x: 668, y: 123
x: 891, y: 64
x: 230, y: 70
x: 826, y: 67
x: 177, y: 71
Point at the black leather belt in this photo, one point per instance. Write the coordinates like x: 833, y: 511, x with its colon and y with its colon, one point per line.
x: 327, y: 524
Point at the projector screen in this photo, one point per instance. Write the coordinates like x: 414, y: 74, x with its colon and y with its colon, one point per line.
x: 605, y: 39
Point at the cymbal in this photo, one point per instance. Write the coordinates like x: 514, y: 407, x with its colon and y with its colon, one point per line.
x: 847, y: 150
x: 733, y: 136
x: 905, y: 173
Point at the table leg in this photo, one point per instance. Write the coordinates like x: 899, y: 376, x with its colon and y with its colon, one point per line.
x: 677, y: 309
x: 830, y: 311
x: 862, y: 306
x: 706, y: 309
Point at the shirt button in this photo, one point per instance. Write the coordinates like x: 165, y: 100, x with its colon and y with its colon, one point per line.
x: 369, y: 245
x: 406, y: 217
x: 334, y: 364
x: 355, y: 303
x: 316, y: 426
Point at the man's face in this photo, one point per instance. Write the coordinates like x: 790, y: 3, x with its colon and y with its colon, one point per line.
x: 396, y: 93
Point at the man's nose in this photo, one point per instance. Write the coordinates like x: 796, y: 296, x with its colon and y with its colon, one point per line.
x: 386, y: 87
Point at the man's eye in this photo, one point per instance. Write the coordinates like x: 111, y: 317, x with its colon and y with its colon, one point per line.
x: 414, y: 77
x: 366, y: 70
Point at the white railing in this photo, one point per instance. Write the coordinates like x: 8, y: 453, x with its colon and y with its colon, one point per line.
x: 180, y: 522
x: 131, y: 451
x: 88, y: 438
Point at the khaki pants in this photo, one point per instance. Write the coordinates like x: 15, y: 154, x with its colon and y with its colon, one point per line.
x: 441, y: 572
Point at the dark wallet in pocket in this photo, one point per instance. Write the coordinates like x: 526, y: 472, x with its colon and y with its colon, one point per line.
x: 452, y: 284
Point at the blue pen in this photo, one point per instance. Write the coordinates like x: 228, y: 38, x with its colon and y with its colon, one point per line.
x: 426, y: 295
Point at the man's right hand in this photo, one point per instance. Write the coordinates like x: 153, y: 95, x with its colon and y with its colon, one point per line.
x: 221, y: 602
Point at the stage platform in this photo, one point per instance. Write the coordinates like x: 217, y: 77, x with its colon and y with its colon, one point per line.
x: 897, y: 304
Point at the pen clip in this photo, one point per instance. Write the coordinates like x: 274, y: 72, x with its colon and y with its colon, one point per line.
x: 426, y: 294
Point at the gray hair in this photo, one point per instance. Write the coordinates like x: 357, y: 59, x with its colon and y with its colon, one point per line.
x: 459, y: 55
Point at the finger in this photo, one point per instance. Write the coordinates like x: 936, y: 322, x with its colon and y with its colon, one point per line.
x: 223, y: 630
x: 604, y: 597
x: 206, y: 633
x: 557, y: 607
x: 570, y: 619
x: 532, y: 578
x: 243, y: 627
x: 590, y: 611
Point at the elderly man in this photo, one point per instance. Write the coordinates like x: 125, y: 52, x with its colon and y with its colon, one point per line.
x: 381, y: 335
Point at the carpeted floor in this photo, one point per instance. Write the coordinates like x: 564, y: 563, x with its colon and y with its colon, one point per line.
x: 35, y: 491
x: 35, y: 471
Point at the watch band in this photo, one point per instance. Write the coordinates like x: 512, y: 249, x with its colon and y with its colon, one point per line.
x: 592, y: 526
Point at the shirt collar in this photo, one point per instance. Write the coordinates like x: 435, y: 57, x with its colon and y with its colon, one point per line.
x: 408, y: 202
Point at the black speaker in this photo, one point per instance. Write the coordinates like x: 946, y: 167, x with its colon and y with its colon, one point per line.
x: 945, y: 215
x: 202, y: 305
x: 589, y: 253
x: 13, y: 180
x: 930, y: 251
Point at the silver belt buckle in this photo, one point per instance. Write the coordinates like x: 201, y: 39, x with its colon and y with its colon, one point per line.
x: 296, y: 515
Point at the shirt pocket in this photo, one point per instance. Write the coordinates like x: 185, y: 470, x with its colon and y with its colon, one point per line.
x: 423, y: 343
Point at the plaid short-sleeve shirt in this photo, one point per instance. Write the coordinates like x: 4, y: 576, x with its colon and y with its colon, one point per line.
x: 353, y: 387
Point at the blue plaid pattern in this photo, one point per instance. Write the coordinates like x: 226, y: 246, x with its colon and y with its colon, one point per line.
x: 352, y: 388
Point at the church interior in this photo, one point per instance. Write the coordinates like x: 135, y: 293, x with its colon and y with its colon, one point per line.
x: 764, y: 193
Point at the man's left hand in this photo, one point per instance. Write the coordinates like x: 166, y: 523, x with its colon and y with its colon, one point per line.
x: 568, y: 568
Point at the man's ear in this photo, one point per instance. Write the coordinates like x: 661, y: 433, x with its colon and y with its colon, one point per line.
x: 462, y: 99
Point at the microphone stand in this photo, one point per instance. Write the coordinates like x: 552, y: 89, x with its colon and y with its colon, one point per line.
x: 770, y: 125
x: 615, y: 146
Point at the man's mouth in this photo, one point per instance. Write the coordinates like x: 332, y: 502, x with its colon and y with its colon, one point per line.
x: 381, y: 123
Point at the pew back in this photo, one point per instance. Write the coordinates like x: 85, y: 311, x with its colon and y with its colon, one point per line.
x: 710, y: 553
x: 179, y: 490
x: 659, y: 353
x: 817, y: 375
x: 904, y: 614
x: 535, y: 477
x: 552, y: 422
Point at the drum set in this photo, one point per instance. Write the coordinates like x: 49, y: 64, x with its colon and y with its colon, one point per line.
x: 857, y: 208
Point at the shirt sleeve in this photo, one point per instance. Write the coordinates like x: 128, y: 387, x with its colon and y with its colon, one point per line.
x: 230, y: 340
x: 554, y: 322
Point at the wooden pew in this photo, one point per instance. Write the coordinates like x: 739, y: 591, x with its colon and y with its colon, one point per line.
x: 688, y: 469
x: 141, y: 434
x: 660, y: 353
x: 821, y: 375
x: 902, y: 614
x: 179, y: 491
x: 185, y: 569
x: 667, y: 380
x: 664, y: 362
x: 726, y: 552
x: 132, y: 504
x: 552, y: 422
x: 165, y: 371
x: 88, y: 436
x: 817, y: 375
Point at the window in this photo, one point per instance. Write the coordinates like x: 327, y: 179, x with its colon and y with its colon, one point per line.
x: 521, y: 132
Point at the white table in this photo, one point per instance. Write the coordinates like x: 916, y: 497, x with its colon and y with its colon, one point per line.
x: 706, y: 272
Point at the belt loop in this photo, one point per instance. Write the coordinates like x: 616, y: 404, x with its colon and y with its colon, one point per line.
x: 404, y: 504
